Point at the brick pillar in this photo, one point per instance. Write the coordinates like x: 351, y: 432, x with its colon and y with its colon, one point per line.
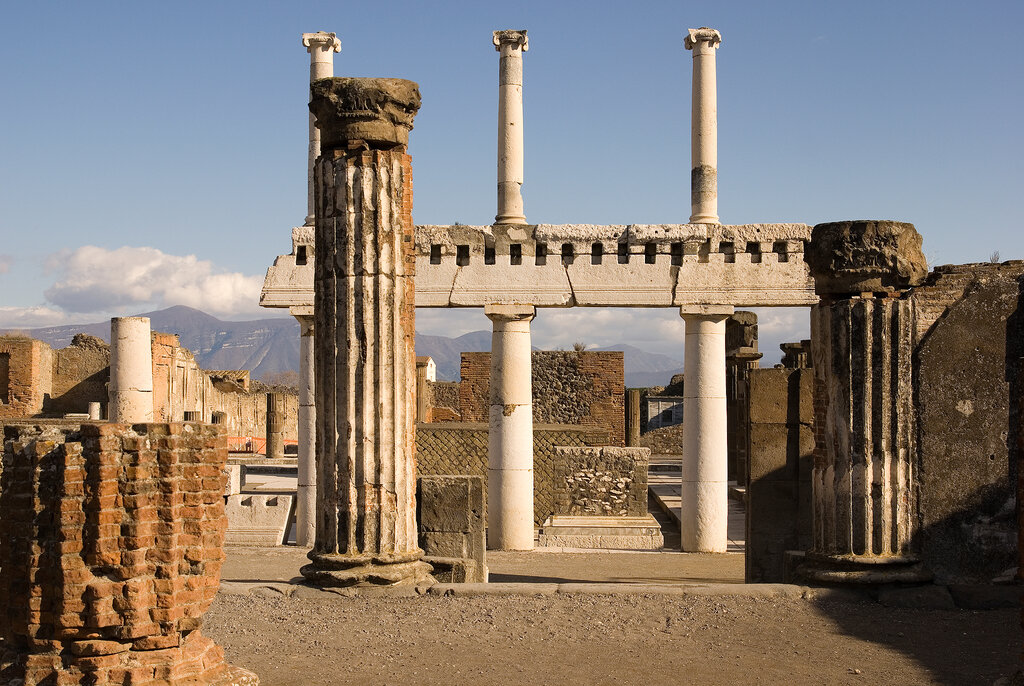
x: 112, y: 548
x: 862, y: 333
x: 364, y: 360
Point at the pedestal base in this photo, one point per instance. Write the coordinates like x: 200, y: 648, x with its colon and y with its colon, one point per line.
x: 862, y: 570
x: 339, y: 571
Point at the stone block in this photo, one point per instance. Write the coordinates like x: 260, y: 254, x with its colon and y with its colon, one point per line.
x: 236, y: 479
x: 608, y: 533
x: 771, y: 455
x: 444, y: 543
x: 258, y: 519
x: 448, y: 570
x: 773, y: 395
x: 451, y: 503
x: 772, y: 507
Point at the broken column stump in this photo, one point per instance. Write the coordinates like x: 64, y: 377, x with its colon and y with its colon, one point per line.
x: 864, y: 477
x: 364, y: 306
x: 112, y: 548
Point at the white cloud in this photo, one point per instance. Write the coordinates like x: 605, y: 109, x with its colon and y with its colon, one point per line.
x: 98, y: 280
x: 31, y: 317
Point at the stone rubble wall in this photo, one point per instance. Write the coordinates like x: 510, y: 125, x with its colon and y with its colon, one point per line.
x: 968, y: 399
x: 444, y: 394
x: 81, y: 372
x: 604, y: 481
x: 460, y: 448
x: 113, y: 544
x: 569, y: 387
x: 666, y: 440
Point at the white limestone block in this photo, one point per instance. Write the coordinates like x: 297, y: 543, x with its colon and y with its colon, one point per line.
x: 258, y: 519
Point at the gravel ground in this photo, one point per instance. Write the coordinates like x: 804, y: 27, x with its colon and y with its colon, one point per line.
x: 601, y: 639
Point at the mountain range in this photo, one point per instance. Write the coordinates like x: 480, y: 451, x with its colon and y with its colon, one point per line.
x: 268, y: 347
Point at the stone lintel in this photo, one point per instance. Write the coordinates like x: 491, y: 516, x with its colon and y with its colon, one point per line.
x: 706, y: 310
x: 376, y: 111
x: 510, y: 313
x: 515, y: 37
x: 321, y: 38
x: 702, y: 36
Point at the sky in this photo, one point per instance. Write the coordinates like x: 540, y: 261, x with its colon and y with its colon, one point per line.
x: 154, y: 154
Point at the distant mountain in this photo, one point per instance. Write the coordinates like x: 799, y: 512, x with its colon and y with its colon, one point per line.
x: 266, y: 346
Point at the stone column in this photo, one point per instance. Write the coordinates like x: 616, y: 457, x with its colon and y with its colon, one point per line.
x: 426, y: 372
x: 632, y: 417
x: 321, y: 47
x: 130, y: 395
x: 741, y: 356
x: 365, y: 327
x: 704, y: 126
x: 95, y: 411
x: 705, y: 488
x: 511, y: 45
x: 305, y: 506
x: 275, y: 426
x: 510, y: 435
x: 862, y: 339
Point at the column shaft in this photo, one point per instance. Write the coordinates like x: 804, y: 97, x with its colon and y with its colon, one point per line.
x: 305, y: 507
x: 511, y: 45
x: 510, y: 436
x: 704, y: 127
x: 321, y: 47
x: 704, y: 515
x: 131, y: 370
x: 275, y: 426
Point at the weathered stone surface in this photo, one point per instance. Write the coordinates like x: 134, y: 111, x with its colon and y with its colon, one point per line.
x: 258, y: 519
x: 605, y: 481
x: 453, y: 526
x: 377, y: 111
x: 602, y: 532
x: 968, y: 399
x: 112, y: 547
x: 865, y: 256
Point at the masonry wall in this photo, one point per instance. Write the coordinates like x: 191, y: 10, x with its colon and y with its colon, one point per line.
x: 667, y: 440
x: 780, y: 425
x: 569, y: 387
x: 968, y: 398
x: 460, y: 448
x: 25, y: 377
x: 81, y: 372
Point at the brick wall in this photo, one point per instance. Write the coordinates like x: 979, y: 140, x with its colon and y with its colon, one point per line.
x: 461, y: 448
x: 112, y: 553
x: 27, y: 382
x: 569, y: 387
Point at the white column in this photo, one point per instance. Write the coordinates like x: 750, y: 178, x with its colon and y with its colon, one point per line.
x: 510, y: 436
x: 704, y: 126
x: 305, y: 507
x: 511, y: 45
x: 321, y: 47
x: 130, y: 393
x: 705, y: 491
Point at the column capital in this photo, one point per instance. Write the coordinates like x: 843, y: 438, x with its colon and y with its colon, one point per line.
x: 511, y: 37
x: 377, y: 111
x: 321, y: 40
x: 852, y: 257
x: 702, y: 41
x: 706, y: 311
x: 510, y: 313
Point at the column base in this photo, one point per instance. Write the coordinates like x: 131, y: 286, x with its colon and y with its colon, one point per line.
x: 510, y: 219
x: 862, y: 570
x: 367, y: 571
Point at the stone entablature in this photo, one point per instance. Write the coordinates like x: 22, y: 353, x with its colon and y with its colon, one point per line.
x: 635, y: 265
x: 745, y: 265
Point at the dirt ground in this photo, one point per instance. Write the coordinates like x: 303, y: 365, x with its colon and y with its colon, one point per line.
x: 602, y: 639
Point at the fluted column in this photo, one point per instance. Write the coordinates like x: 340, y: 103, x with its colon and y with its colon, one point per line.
x: 704, y: 126
x: 130, y: 393
x: 510, y: 430
x: 365, y: 365
x: 321, y: 47
x: 862, y: 340
x: 704, y: 515
x: 275, y: 426
x: 511, y: 45
x: 305, y: 506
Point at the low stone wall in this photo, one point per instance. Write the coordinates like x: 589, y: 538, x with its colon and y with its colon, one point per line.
x: 456, y: 448
x: 601, y: 481
x: 452, y: 519
x: 112, y: 548
x: 665, y: 441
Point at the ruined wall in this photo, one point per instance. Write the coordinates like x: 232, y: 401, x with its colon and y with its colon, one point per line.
x: 81, y: 372
x: 604, y: 481
x: 968, y: 400
x: 666, y: 440
x: 781, y: 429
x: 179, y: 385
x: 25, y: 377
x: 569, y: 387
x: 444, y: 394
x: 455, y: 448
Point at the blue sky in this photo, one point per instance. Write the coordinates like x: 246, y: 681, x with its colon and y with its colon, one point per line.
x: 154, y: 154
